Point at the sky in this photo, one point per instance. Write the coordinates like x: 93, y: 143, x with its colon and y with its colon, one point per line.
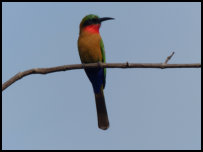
x: 147, y: 108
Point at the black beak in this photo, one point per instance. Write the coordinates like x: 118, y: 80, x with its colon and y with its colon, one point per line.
x: 105, y: 18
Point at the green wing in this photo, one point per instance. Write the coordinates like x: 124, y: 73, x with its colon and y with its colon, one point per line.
x: 103, y: 59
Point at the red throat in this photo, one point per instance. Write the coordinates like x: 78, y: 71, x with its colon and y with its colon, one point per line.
x: 92, y: 28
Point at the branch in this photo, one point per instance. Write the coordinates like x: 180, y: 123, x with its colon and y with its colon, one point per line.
x: 97, y: 65
x: 94, y: 65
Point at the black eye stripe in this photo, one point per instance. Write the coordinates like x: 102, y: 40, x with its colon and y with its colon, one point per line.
x: 91, y: 21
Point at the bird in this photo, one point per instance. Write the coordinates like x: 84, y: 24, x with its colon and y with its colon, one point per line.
x: 91, y: 50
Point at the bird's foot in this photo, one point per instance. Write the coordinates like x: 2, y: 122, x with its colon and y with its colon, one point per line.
x: 99, y: 64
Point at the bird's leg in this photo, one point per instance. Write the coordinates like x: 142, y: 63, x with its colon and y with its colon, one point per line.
x: 83, y: 65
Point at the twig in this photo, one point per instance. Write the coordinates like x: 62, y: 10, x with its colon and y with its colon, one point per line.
x: 168, y: 58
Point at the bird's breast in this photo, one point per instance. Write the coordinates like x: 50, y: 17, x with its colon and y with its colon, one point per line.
x: 89, y: 47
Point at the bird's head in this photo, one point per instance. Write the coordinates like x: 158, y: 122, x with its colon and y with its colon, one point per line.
x: 92, y: 23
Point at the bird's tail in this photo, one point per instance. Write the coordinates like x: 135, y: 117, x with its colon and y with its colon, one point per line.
x: 102, y: 116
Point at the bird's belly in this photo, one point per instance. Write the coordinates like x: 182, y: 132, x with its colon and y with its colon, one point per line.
x: 89, y: 56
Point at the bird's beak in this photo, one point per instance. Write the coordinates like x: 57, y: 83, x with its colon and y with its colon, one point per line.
x: 105, y: 18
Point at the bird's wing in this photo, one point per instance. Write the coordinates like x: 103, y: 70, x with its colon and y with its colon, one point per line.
x: 103, y: 59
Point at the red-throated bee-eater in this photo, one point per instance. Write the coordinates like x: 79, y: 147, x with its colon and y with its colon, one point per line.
x: 91, y: 50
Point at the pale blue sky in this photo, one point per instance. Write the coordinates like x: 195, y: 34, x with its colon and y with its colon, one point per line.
x: 147, y: 108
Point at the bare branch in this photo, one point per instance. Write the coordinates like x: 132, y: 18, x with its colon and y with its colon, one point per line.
x: 94, y: 65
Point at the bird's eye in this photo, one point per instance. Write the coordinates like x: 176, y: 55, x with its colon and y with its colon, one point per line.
x: 94, y: 20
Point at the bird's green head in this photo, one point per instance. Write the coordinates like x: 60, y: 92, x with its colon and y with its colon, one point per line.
x: 93, y: 21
